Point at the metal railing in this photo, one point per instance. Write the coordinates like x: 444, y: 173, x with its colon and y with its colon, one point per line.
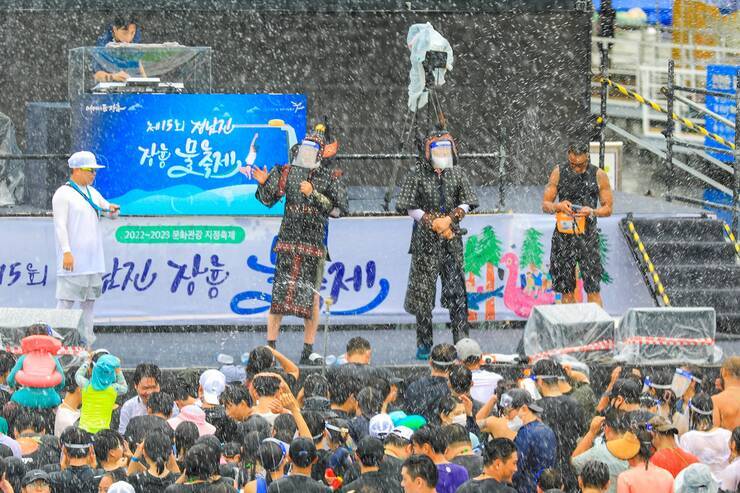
x: 673, y: 120
x: 638, y: 57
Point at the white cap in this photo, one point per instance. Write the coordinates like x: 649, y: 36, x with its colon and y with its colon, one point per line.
x: 467, y: 348
x: 403, y: 432
x: 380, y: 426
x: 213, y: 382
x: 83, y: 159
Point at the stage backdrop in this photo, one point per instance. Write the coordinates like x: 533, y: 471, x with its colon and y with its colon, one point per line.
x: 186, y: 153
x: 219, y: 270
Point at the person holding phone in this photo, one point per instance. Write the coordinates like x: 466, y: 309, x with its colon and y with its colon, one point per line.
x: 577, y: 193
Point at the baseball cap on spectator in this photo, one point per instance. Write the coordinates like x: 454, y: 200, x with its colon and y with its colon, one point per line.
x: 83, y: 159
x: 468, y: 348
x: 380, y: 425
x: 696, y: 478
x: 626, y: 447
x: 413, y: 421
x: 403, y: 432
x: 195, y: 415
x: 302, y: 452
x: 516, y: 398
x: 121, y: 487
x: 662, y: 424
x: 213, y: 382
x: 233, y: 373
x: 35, y: 475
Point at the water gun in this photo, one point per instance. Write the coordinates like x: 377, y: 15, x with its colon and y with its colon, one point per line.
x: 335, y: 482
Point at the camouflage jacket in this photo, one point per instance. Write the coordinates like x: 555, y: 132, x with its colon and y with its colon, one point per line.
x: 437, y: 195
x: 305, y: 218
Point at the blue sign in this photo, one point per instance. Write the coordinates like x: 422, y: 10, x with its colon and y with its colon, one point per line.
x: 721, y: 78
x: 189, y: 154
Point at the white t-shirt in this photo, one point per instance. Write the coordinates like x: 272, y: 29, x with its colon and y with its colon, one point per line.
x: 711, y: 447
x: 729, y: 477
x: 65, y: 417
x: 484, y: 385
x: 77, y: 230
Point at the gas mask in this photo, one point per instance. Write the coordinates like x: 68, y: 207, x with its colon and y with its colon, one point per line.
x: 681, y: 382
x: 308, y: 155
x: 441, y: 154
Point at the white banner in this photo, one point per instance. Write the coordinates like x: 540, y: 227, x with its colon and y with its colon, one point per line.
x: 186, y: 270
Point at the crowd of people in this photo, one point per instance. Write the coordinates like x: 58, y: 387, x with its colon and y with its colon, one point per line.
x: 359, y: 428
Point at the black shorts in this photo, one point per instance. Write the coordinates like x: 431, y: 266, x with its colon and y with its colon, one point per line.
x: 570, y: 250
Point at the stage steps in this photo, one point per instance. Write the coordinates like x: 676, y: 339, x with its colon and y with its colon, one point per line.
x: 689, y: 261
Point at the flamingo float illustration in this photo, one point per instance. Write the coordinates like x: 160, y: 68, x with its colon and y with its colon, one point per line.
x: 515, y: 298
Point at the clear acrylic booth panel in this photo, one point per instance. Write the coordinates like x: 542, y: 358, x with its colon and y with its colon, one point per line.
x: 190, y: 65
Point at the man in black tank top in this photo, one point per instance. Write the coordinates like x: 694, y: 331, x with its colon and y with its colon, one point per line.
x: 577, y: 193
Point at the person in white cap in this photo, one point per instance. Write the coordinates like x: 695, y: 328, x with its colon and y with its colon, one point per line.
x: 211, y: 385
x: 77, y: 208
x: 470, y: 354
x: 380, y: 426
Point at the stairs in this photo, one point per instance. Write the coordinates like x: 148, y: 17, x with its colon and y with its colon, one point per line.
x: 689, y: 261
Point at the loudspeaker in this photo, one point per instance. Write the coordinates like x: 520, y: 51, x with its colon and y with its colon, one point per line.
x: 583, y: 331
x: 669, y: 335
x: 14, y: 322
x: 48, y: 131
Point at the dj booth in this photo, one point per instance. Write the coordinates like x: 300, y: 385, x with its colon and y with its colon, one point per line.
x: 169, y: 145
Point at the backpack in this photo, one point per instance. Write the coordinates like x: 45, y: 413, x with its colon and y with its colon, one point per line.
x: 39, y: 365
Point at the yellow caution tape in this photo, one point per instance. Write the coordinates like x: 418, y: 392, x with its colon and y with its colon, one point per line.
x: 731, y: 236
x: 651, y: 268
x: 684, y: 121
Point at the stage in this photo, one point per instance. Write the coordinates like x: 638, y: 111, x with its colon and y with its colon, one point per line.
x: 197, y: 340
x: 181, y: 347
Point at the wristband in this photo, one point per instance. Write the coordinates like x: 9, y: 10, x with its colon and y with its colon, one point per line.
x: 135, y: 459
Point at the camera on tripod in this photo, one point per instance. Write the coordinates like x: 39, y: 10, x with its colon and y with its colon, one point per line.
x: 432, y: 61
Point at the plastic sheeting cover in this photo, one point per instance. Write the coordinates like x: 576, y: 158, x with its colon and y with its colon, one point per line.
x: 575, y: 330
x: 12, y: 177
x: 674, y: 336
x: 422, y: 38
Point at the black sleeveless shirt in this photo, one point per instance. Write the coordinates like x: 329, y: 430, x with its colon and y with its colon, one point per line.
x: 579, y: 189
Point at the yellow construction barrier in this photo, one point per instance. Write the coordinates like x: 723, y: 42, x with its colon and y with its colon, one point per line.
x: 684, y: 121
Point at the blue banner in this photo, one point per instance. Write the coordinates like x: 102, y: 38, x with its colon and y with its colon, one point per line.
x: 721, y: 78
x: 189, y: 154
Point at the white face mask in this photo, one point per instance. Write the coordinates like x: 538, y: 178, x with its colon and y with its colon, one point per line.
x: 460, y: 419
x: 515, y: 424
x: 441, y: 154
x: 307, y: 155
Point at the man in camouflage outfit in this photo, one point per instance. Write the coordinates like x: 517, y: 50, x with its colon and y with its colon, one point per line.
x: 313, y: 192
x: 437, y: 194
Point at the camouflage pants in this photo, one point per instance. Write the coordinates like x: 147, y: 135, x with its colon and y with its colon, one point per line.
x: 422, y: 291
x: 298, y: 272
